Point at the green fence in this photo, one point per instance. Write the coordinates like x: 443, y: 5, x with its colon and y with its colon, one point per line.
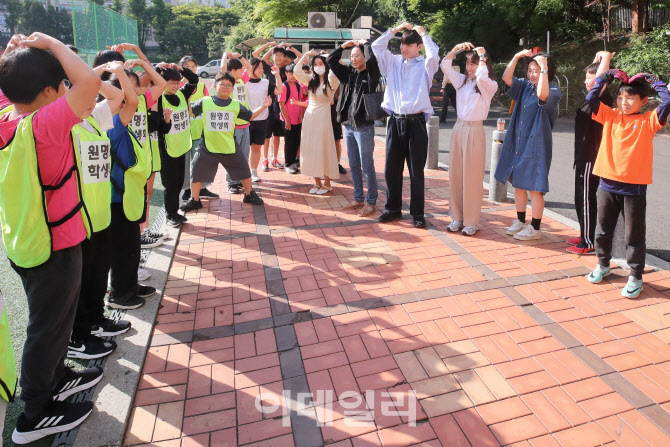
x: 94, y: 27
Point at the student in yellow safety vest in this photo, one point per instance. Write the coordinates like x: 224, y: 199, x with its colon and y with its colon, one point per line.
x: 220, y: 113
x: 42, y: 220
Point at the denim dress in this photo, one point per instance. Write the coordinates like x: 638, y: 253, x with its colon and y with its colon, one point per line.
x: 526, y: 151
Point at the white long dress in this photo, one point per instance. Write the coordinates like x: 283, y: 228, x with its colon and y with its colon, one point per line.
x: 318, y: 156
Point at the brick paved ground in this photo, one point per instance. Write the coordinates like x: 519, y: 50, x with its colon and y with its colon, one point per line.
x: 487, y: 341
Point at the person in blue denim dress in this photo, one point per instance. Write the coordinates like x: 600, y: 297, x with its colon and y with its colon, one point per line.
x: 526, y: 151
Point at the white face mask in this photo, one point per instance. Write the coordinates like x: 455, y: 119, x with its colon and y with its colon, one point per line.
x: 320, y: 70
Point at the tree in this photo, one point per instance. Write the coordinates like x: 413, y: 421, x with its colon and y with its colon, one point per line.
x: 99, y: 2
x: 54, y: 22
x: 216, y: 40
x: 118, y: 6
x: 138, y: 10
x: 14, y: 12
x: 184, y: 35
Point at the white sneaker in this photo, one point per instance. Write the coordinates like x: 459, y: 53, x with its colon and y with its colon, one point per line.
x: 517, y: 226
x: 455, y: 225
x: 254, y: 176
x: 528, y: 233
x: 470, y: 230
x: 143, y: 274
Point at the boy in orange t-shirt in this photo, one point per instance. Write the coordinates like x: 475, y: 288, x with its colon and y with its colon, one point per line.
x: 624, y: 165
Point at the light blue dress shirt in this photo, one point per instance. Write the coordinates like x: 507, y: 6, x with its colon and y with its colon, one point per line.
x: 408, y: 82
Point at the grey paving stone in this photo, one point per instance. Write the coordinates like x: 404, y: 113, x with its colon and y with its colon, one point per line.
x: 275, y: 287
x: 371, y: 303
x: 213, y: 332
x: 538, y: 315
x: 253, y: 326
x: 291, y: 318
x: 306, y: 431
x: 431, y: 294
x: 550, y: 276
x: 515, y: 296
x: 463, y: 288
x: 522, y: 280
x: 328, y: 311
x: 297, y: 389
x: 291, y: 363
x: 598, y: 365
x: 564, y: 337
x: 285, y: 337
x: 627, y: 390
x: 658, y: 416
x: 272, y: 273
x: 577, y: 271
x: 171, y: 339
x: 399, y: 299
x: 279, y: 305
x: 498, y: 283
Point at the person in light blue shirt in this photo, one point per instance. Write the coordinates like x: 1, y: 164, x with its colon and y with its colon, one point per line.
x: 407, y: 99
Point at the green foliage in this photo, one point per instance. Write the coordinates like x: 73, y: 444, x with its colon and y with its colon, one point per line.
x: 137, y: 9
x: 118, y: 6
x: 184, y: 35
x: 647, y: 53
x: 54, y: 22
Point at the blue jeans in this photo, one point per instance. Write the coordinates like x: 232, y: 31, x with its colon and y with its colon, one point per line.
x: 360, y: 151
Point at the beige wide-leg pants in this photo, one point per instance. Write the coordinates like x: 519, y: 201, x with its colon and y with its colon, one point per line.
x: 466, y: 171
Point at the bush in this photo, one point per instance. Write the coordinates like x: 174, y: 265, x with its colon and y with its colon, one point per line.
x: 647, y: 54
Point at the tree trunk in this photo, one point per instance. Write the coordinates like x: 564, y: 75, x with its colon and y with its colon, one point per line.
x: 637, y: 16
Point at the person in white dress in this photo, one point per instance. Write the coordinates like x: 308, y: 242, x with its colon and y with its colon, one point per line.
x: 467, y: 153
x: 318, y: 155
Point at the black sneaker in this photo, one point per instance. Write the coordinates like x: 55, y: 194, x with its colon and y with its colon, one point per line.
x: 390, y: 216
x: 145, y: 291
x: 341, y: 168
x: 89, y: 348
x: 56, y: 418
x: 76, y: 381
x: 147, y: 241
x: 186, y: 195
x: 109, y: 328
x: 175, y: 220
x: 235, y: 189
x: 207, y: 194
x: 131, y: 303
x: 191, y: 205
x: 155, y: 234
x: 253, y: 198
x: 420, y: 222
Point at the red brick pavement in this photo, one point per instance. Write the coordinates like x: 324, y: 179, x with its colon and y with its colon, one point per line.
x: 403, y: 336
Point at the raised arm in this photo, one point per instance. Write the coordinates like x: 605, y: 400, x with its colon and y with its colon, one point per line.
x: 129, y: 47
x: 487, y: 86
x: 259, y: 50
x: 279, y: 85
x: 299, y: 74
x: 129, y: 95
x: 432, y: 62
x: 508, y: 75
x: 113, y: 95
x: 295, y: 51
x: 380, y: 47
x: 85, y: 81
x: 334, y: 58
x: 159, y: 83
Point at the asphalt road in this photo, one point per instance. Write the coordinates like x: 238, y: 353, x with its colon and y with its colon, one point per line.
x: 560, y: 197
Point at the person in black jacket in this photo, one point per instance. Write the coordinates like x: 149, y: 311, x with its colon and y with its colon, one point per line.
x: 588, y: 134
x: 357, y: 79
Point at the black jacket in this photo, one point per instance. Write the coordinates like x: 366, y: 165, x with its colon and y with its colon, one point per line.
x: 353, y: 85
x: 588, y: 132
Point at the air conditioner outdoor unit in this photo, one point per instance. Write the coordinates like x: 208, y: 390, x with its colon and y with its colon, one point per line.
x: 322, y: 20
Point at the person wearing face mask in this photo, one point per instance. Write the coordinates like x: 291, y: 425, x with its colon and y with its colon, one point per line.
x: 409, y: 77
x: 474, y: 92
x: 357, y: 79
x: 526, y: 152
x: 318, y: 156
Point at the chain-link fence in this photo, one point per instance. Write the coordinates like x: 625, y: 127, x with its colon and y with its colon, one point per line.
x: 94, y: 27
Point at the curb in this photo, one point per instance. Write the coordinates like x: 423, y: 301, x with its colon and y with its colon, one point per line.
x: 115, y: 393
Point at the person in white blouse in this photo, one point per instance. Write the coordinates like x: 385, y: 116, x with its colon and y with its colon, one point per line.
x: 474, y: 92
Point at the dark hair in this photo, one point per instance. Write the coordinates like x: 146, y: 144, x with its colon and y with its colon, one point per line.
x: 25, y: 73
x: 105, y: 56
x: 114, y: 80
x: 551, y: 64
x: 592, y: 69
x: 224, y: 76
x: 637, y: 87
x: 290, y: 67
x: 315, y: 81
x: 73, y: 48
x: 234, y: 64
x: 170, y: 74
x: 410, y: 37
x: 185, y: 59
x: 255, y: 62
x: 305, y: 67
x: 473, y: 58
x: 281, y: 50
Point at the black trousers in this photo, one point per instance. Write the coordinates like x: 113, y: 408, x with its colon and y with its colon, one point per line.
x: 407, y: 140
x: 448, y: 96
x: 292, y: 144
x: 634, y: 209
x: 52, y: 290
x: 586, y: 202
x: 96, y: 260
x: 125, y: 254
x: 172, y: 177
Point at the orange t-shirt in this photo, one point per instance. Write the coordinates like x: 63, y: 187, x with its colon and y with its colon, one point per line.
x: 626, y: 150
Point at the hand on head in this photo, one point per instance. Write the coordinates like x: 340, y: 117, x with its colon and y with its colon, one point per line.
x: 600, y: 55
x: 525, y: 53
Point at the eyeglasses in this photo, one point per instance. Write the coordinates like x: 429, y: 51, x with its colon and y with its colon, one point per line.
x: 226, y: 86
x: 67, y: 83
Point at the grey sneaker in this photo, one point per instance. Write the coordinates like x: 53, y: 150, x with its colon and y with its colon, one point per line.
x: 293, y: 169
x: 517, y: 226
x: 455, y: 225
x: 470, y: 230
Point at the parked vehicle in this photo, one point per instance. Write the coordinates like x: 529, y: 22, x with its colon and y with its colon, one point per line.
x: 211, y: 68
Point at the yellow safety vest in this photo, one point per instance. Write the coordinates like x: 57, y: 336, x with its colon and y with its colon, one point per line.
x: 178, y: 140
x: 196, y: 121
x: 8, y: 376
x: 92, y: 150
x: 219, y: 131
